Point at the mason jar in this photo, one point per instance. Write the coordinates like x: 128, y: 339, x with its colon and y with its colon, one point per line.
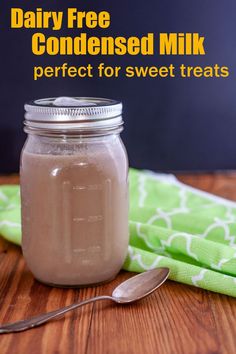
x: 74, y: 191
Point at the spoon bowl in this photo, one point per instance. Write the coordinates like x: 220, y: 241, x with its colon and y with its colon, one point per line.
x: 140, y: 286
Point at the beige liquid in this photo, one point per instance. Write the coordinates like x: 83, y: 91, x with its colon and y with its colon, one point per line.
x: 75, y: 215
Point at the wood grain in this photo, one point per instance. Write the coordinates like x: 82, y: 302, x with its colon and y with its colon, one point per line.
x: 177, y: 319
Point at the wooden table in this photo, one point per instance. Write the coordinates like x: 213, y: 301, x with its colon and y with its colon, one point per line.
x: 176, y: 319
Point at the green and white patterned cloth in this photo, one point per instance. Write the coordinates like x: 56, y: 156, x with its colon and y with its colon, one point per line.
x: 171, y: 224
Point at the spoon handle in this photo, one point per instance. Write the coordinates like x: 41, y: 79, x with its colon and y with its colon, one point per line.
x: 46, y: 317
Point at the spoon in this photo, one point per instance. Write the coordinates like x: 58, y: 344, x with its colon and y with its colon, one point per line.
x: 133, y: 289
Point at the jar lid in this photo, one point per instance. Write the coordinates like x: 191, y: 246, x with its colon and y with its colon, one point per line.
x: 73, y: 113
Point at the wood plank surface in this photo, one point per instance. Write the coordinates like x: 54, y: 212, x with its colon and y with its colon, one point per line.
x: 176, y: 319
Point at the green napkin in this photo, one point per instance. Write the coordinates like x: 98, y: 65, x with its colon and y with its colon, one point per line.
x: 171, y: 224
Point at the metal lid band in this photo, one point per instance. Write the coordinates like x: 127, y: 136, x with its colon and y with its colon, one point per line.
x: 80, y: 110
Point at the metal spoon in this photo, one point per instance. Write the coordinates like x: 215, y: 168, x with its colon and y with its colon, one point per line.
x: 133, y: 289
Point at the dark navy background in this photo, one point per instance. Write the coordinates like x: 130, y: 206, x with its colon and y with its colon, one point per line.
x: 170, y: 124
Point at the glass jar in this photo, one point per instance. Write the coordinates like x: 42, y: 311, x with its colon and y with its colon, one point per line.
x: 74, y: 191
